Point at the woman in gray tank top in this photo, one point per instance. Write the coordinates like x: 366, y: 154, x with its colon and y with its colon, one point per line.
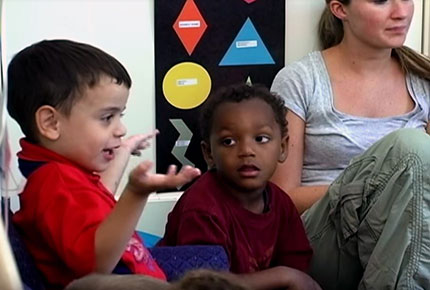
x: 359, y: 157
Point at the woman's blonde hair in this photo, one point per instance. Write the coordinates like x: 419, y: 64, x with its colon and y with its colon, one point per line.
x: 330, y: 33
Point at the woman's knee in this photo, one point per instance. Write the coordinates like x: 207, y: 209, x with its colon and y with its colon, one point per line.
x: 409, y: 141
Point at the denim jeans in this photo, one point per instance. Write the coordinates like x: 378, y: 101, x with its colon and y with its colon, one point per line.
x: 371, y: 230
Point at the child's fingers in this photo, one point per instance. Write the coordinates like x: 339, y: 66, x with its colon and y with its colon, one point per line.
x: 171, y: 171
x: 156, y: 132
x: 145, y: 139
x: 143, y: 168
x: 142, y: 178
x: 139, y: 141
x: 185, y: 175
x: 190, y: 172
x: 143, y: 145
x: 176, y: 179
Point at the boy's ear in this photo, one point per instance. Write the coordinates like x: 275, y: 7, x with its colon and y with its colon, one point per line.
x: 47, y: 122
x: 284, y: 149
x: 338, y: 9
x: 207, y: 154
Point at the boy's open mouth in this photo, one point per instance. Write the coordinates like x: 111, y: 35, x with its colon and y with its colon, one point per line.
x: 248, y: 170
x: 108, y: 153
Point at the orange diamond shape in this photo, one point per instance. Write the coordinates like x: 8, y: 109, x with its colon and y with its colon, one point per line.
x: 190, y: 26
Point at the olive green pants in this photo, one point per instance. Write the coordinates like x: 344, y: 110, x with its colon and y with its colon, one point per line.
x: 372, y: 228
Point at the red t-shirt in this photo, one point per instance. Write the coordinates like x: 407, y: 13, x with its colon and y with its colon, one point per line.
x: 207, y: 214
x: 61, y: 207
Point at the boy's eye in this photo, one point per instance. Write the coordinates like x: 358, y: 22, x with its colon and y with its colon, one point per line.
x: 107, y: 118
x: 228, y: 142
x: 379, y: 1
x: 262, y: 139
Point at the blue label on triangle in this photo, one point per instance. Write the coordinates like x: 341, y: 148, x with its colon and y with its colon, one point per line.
x: 247, y: 48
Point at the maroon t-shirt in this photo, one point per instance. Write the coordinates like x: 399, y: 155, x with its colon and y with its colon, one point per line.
x: 207, y: 214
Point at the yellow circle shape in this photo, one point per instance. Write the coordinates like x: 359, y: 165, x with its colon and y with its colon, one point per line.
x: 186, y: 85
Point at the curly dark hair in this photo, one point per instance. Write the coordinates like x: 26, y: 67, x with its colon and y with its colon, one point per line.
x: 237, y: 93
x: 203, y: 279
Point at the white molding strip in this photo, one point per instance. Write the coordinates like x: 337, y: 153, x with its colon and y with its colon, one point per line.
x: 426, y: 27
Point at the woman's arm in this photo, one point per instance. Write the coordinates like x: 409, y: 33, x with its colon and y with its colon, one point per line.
x: 288, y: 174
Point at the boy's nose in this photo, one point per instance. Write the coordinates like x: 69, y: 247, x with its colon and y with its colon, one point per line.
x: 120, y: 130
x: 246, y: 149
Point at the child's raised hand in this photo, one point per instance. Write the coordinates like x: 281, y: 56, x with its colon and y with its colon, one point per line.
x: 142, y: 181
x: 130, y: 145
x: 134, y: 144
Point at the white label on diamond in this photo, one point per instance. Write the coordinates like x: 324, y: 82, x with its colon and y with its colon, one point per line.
x: 246, y: 43
x: 189, y: 24
x: 186, y: 82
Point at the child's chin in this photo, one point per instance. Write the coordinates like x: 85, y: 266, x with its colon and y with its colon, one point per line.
x: 253, y: 187
x: 99, y: 168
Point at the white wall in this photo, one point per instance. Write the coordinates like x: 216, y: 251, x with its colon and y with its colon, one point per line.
x: 426, y: 27
x: 415, y: 37
x: 302, y: 21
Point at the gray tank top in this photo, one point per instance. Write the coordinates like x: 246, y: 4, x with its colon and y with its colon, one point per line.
x: 333, y: 138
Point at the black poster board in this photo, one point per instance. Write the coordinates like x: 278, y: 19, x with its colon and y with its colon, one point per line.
x: 222, y: 42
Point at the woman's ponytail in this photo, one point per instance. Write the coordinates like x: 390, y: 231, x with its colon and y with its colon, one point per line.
x: 413, y: 62
x: 330, y: 29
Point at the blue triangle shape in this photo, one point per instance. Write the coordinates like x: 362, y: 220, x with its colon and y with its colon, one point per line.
x: 247, y: 48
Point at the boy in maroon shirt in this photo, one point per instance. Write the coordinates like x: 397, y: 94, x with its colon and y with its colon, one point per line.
x: 68, y: 99
x: 234, y: 205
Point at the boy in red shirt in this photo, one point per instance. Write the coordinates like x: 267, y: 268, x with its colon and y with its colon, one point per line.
x: 68, y: 98
x: 244, y: 136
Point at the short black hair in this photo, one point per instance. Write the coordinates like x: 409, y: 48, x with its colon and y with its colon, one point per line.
x: 237, y: 93
x: 55, y: 73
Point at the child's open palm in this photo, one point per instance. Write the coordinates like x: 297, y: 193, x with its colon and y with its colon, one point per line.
x: 141, y: 180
